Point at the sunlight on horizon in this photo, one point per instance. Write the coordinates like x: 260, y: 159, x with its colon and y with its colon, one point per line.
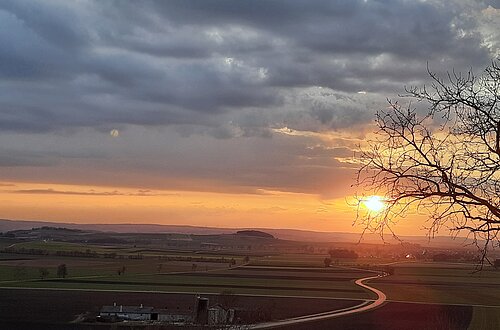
x: 374, y: 203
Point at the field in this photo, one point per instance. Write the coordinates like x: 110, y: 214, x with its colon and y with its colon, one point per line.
x: 448, y: 283
x: 442, y: 283
x: 143, y: 275
x: 421, y: 295
x: 70, y: 304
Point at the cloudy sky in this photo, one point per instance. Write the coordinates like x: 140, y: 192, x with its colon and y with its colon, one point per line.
x: 216, y: 113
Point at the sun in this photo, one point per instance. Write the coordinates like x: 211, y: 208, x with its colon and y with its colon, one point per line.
x: 374, y: 203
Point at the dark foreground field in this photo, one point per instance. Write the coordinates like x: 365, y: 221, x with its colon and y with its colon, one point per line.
x: 50, y: 309
x: 400, y: 316
x: 53, y: 309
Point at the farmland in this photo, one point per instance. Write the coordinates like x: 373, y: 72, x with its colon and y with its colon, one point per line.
x: 263, y: 272
x: 147, y: 275
x: 442, y: 283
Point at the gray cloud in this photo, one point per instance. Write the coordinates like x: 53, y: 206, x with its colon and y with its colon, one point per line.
x: 50, y: 191
x: 15, y: 158
x: 212, y: 57
x: 197, y: 87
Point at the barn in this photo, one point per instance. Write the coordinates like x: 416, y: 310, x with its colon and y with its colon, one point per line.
x: 137, y: 313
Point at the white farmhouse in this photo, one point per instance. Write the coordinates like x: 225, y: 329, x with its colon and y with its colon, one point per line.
x: 138, y: 313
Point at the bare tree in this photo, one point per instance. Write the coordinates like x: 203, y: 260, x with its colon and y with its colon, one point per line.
x: 441, y: 155
x: 43, y: 272
x: 62, y: 270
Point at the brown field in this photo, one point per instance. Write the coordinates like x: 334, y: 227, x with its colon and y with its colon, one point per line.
x: 47, y: 308
x: 422, y: 295
x: 52, y: 309
x: 400, y: 316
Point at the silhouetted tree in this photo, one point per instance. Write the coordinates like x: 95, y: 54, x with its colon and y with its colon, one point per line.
x: 43, y: 272
x: 121, y: 270
x: 62, y: 271
x: 444, y: 160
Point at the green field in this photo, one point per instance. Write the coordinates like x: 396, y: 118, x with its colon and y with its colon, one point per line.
x: 290, y: 260
x: 144, y: 276
x: 442, y: 283
x: 282, y: 274
x: 153, y: 272
x: 287, y: 274
x: 485, y: 318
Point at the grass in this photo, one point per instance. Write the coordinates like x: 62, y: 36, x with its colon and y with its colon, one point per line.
x: 167, y: 282
x: 190, y: 289
x: 417, y: 281
x: 290, y: 260
x: 445, y: 294
x: 125, y: 256
x: 28, y: 267
x: 285, y: 274
x: 52, y: 246
x: 485, y: 318
x: 441, y: 283
x: 229, y: 281
x: 143, y: 274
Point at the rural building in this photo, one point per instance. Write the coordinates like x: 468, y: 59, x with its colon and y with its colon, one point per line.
x: 169, y: 316
x: 201, y: 314
x: 137, y: 313
x: 217, y: 314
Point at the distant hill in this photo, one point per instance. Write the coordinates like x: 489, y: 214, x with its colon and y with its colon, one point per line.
x: 254, y: 233
x: 284, y: 234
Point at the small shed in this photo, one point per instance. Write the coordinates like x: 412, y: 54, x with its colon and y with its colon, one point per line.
x: 217, y: 314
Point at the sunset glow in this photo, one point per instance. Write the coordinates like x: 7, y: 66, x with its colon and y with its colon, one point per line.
x: 374, y: 203
x: 243, y: 118
x: 249, y: 164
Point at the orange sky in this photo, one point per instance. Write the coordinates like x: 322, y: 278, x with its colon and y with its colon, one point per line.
x: 117, y: 205
x: 87, y: 204
x: 242, y: 115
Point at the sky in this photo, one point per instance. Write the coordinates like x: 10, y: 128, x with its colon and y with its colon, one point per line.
x: 212, y: 113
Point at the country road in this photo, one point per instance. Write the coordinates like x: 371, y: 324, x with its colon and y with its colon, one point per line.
x: 364, y: 306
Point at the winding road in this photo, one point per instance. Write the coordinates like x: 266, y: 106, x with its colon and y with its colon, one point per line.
x: 364, y: 306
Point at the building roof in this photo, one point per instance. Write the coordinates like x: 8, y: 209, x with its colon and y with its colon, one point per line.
x: 218, y: 306
x: 127, y: 309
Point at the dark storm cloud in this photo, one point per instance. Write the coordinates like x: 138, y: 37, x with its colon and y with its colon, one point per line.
x: 409, y: 29
x: 188, y: 57
x: 59, y: 24
x: 217, y: 74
